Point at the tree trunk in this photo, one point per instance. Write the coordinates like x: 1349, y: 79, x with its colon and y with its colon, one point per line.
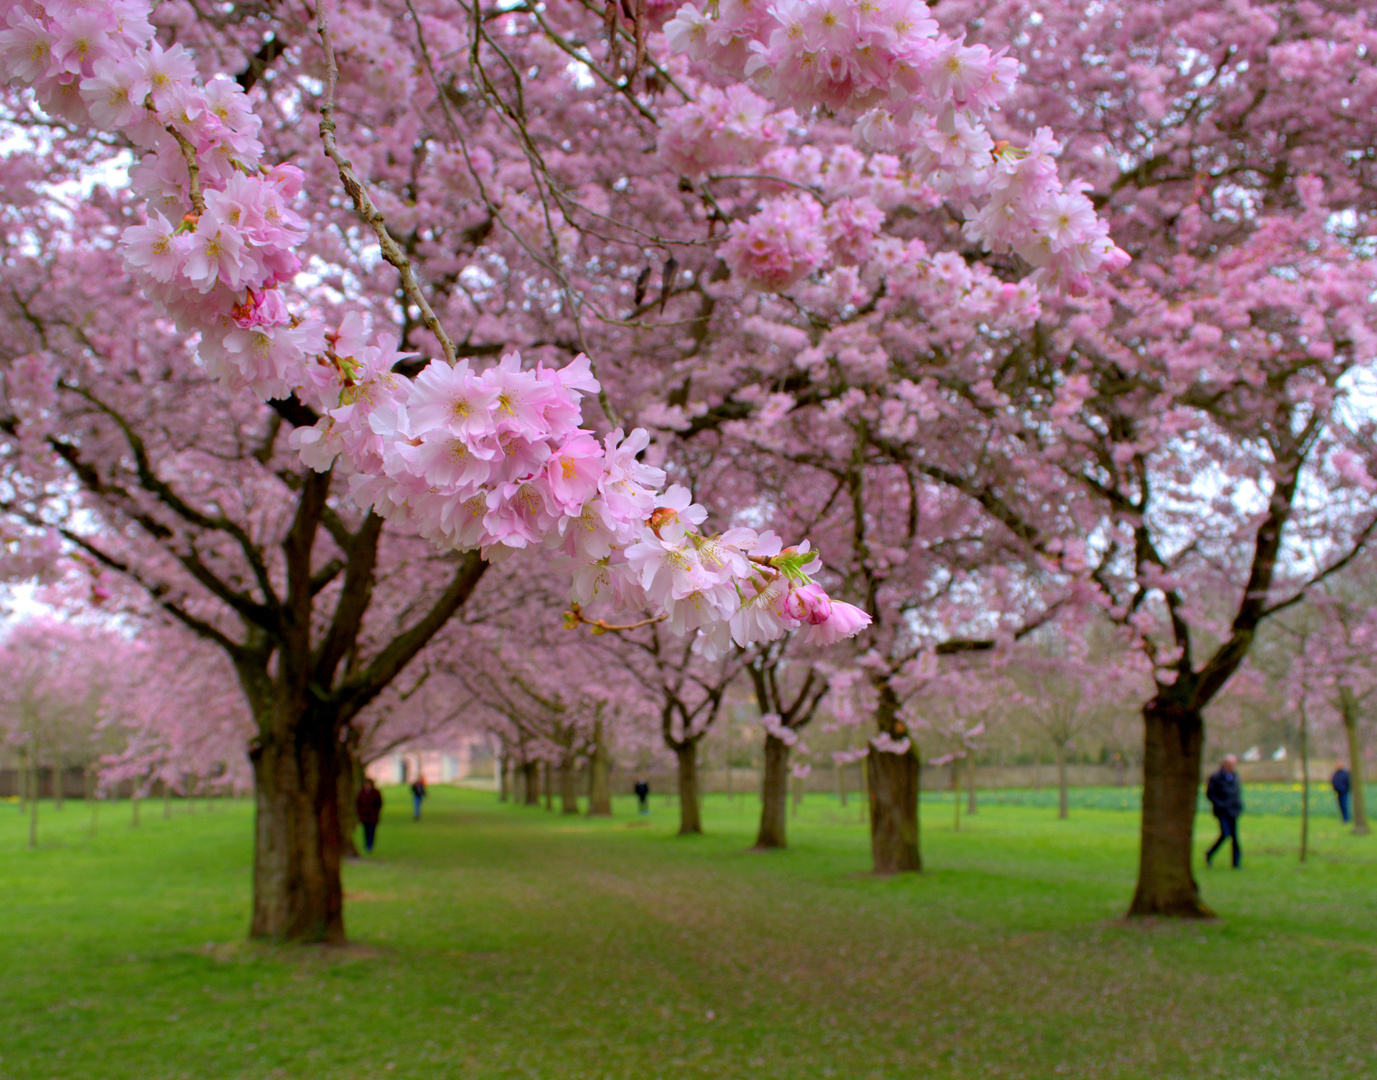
x: 599, y: 780
x: 349, y: 782
x: 500, y: 763
x: 530, y: 774
x: 1063, y: 805
x: 956, y: 795
x: 773, y: 789
x: 690, y: 820
x: 547, y: 786
x: 1173, y: 741
x: 88, y: 794
x: 1305, y: 784
x: 568, y: 787
x: 892, y: 781
x: 33, y: 795
x: 297, y: 893
x: 971, y: 807
x: 1355, y: 761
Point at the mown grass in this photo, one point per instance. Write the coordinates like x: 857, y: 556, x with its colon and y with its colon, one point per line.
x: 507, y: 942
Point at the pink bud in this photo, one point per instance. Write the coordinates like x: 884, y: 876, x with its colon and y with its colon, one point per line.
x: 810, y: 604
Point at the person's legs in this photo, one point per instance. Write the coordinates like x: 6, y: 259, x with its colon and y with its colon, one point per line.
x: 1233, y: 835
x: 1223, y: 835
x: 1343, y: 805
x: 416, y: 807
x: 369, y: 832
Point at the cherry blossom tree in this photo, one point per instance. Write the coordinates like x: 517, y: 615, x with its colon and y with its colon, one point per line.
x: 1209, y: 399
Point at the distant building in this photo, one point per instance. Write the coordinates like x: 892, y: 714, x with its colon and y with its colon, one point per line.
x: 461, y: 760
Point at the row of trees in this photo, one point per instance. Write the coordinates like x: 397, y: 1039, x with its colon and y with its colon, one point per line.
x: 826, y: 332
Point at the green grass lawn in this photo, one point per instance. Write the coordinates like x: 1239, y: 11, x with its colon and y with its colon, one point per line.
x: 496, y: 941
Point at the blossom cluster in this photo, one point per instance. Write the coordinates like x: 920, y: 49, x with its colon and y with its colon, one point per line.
x: 917, y: 92
x: 497, y: 460
x: 779, y: 245
x: 220, y: 231
x: 721, y: 129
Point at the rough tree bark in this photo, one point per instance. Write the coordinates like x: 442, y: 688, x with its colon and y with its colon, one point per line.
x: 774, y: 788
x: 297, y: 894
x: 795, y: 714
x: 690, y: 820
x: 599, y: 780
x: 568, y: 786
x: 33, y: 793
x: 1305, y: 783
x: 892, y: 786
x: 1173, y: 742
x: 1349, y: 705
x: 347, y: 790
x: 1062, y: 801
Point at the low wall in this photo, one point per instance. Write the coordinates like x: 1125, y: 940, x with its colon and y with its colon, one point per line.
x: 987, y: 777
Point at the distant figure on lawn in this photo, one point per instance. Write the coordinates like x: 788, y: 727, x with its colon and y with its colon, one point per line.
x: 1226, y: 796
x: 1342, y: 783
x: 418, y: 794
x: 368, y: 803
x: 643, y: 796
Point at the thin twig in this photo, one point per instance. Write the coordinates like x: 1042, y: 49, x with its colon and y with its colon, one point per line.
x: 198, y: 202
x: 365, y: 206
x: 574, y: 616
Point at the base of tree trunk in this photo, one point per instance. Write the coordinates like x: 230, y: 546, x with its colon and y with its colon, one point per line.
x: 599, y: 784
x: 297, y: 890
x: 568, y: 789
x: 1173, y: 742
x: 893, y: 786
x: 690, y: 821
x: 349, y: 783
x: 1358, y: 793
x: 774, y: 786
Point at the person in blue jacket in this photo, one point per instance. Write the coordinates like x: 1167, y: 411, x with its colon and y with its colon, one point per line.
x: 1342, y: 783
x: 1225, y: 794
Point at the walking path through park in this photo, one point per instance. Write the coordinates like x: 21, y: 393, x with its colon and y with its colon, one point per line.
x: 508, y: 942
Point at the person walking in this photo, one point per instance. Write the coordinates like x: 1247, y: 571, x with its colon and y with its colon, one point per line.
x: 418, y: 794
x: 642, y: 790
x: 1342, y: 783
x: 368, y: 804
x: 1226, y: 797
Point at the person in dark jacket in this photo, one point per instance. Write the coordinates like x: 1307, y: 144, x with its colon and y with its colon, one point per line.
x: 418, y: 794
x: 1342, y: 783
x: 1226, y: 797
x: 368, y: 803
x: 643, y: 796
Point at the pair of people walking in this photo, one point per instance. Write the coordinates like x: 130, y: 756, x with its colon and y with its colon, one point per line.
x: 368, y: 805
x: 1225, y: 794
